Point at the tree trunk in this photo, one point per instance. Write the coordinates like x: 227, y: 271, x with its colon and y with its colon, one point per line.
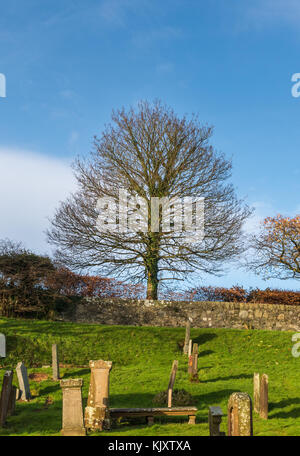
x: 152, y: 266
x: 152, y: 285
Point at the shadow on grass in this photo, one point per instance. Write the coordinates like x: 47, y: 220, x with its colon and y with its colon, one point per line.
x: 203, y: 338
x: 295, y: 413
x: 205, y: 353
x: 76, y: 374
x: 203, y: 401
x: 230, y: 377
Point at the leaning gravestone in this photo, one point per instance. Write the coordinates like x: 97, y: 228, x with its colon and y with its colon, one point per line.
x: 55, y: 363
x: 96, y: 415
x: 171, y: 382
x: 263, y: 397
x: 23, y: 382
x: 5, y: 396
x: 72, y: 416
x: 240, y: 415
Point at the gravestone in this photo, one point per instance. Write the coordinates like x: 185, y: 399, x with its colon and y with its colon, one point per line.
x: 55, y: 363
x: 5, y: 396
x: 240, y: 415
x: 2, y: 346
x: 72, y: 413
x: 12, y: 401
x: 190, y: 365
x: 190, y: 348
x: 256, y: 392
x: 263, y: 399
x: 96, y: 415
x: 171, y: 382
x: 23, y: 382
x: 187, y: 337
x: 194, y: 364
x: 214, y: 421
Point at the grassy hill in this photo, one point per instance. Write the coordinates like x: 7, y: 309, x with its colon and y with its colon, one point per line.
x: 142, y: 359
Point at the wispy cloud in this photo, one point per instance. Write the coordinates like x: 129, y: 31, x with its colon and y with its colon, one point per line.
x: 263, y: 209
x: 31, y: 186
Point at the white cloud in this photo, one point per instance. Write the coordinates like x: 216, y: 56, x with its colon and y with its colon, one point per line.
x: 261, y: 210
x: 31, y: 186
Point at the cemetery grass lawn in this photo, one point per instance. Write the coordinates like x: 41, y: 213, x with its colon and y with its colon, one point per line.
x: 142, y: 359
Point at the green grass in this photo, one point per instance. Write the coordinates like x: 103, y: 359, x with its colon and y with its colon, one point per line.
x: 142, y: 359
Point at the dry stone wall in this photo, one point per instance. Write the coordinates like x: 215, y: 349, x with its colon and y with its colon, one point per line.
x: 203, y: 314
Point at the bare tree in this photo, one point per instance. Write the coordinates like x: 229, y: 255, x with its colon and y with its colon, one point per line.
x: 277, y: 248
x: 152, y: 153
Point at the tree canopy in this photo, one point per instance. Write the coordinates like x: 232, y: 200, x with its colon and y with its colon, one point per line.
x: 151, y: 153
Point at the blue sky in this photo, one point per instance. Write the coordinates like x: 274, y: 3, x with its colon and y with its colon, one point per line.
x: 69, y: 63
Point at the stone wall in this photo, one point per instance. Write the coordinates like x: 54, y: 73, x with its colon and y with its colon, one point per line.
x: 203, y: 314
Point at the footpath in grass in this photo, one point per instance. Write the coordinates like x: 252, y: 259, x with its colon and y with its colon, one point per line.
x: 142, y: 358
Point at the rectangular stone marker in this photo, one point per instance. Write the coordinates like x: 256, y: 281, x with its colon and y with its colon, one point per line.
x: 72, y: 412
x: 214, y: 420
x: 171, y: 382
x: 2, y: 346
x: 240, y: 415
x: 194, y: 364
x: 96, y: 415
x: 263, y: 399
x: 23, y: 382
x: 187, y: 337
x: 256, y: 392
x: 5, y: 395
x: 190, y: 348
x: 55, y: 363
x: 190, y: 365
x: 12, y: 401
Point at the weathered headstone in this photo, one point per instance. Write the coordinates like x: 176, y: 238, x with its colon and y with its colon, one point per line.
x: 2, y: 346
x: 263, y: 399
x: 171, y: 382
x: 72, y: 413
x: 5, y: 395
x: 190, y: 348
x: 190, y: 365
x: 55, y: 363
x: 12, y: 401
x: 187, y: 337
x: 96, y: 415
x: 194, y: 364
x: 240, y: 415
x: 256, y: 392
x: 23, y: 382
x: 214, y: 421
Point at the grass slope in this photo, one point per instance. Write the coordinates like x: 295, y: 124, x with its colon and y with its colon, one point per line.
x: 142, y: 359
